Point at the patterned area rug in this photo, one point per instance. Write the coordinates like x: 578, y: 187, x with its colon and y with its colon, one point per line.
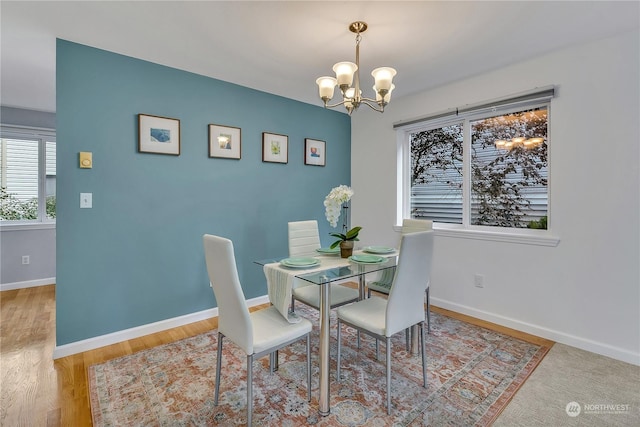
x: 472, y: 375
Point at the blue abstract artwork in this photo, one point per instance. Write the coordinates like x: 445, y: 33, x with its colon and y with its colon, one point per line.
x: 160, y: 135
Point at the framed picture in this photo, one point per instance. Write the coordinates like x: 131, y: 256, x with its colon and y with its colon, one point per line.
x: 314, y: 152
x: 225, y: 142
x: 160, y: 135
x: 275, y: 148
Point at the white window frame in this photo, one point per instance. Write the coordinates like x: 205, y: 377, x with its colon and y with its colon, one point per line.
x: 43, y: 136
x: 466, y: 230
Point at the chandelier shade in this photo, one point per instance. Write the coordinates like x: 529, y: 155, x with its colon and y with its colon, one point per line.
x: 344, y: 73
x: 348, y: 80
x: 326, y: 86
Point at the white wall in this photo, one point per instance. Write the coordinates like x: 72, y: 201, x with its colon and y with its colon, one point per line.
x: 583, y: 292
x: 40, y: 245
x: 39, y: 242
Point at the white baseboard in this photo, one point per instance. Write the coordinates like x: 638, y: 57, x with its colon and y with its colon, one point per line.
x: 139, y: 331
x: 550, y: 334
x: 27, y: 284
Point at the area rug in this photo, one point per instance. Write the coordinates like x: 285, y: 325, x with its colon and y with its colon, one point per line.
x: 472, y: 374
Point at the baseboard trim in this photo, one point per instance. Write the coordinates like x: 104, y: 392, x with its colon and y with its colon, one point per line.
x: 557, y: 336
x: 27, y: 284
x: 139, y: 331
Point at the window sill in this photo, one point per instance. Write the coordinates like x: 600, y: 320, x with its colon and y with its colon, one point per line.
x: 524, y: 237
x: 22, y: 226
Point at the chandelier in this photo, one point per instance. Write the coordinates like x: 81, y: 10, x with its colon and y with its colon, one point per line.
x: 348, y: 80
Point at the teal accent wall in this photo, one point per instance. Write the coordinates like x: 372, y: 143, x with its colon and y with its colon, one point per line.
x: 136, y: 257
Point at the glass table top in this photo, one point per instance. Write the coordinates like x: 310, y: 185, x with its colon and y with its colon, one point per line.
x: 336, y: 269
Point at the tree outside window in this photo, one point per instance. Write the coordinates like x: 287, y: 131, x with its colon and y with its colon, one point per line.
x: 27, y: 177
x: 507, y: 175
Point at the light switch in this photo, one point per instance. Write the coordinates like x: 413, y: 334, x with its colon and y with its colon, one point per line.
x: 86, y: 160
x: 86, y: 200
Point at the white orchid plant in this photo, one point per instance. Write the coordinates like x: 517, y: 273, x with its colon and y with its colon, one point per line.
x: 337, y: 202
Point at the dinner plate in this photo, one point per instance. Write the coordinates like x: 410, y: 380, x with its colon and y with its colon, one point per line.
x: 379, y: 249
x: 328, y: 250
x: 367, y: 259
x: 299, y: 262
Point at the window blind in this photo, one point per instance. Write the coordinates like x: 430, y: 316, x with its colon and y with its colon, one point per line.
x: 542, y: 94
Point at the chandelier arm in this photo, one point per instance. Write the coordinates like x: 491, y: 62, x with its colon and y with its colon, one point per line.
x: 326, y: 105
x: 377, y: 107
x: 369, y: 100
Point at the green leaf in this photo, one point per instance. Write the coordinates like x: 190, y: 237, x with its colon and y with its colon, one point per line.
x: 353, y: 233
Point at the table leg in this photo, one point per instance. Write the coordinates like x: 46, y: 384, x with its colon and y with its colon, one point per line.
x: 323, y: 400
x: 415, y: 339
x: 361, y: 287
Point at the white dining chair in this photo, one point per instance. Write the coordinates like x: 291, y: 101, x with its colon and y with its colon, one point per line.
x: 384, y: 317
x: 258, y: 333
x: 383, y: 284
x: 304, y: 239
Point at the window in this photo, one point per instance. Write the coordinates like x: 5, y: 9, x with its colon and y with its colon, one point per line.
x: 27, y: 176
x: 481, y: 168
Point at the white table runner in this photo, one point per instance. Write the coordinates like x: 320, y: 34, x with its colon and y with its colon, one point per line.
x: 280, y: 281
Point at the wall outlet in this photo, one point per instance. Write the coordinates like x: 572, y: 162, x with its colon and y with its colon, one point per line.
x: 25, y: 259
x: 478, y: 280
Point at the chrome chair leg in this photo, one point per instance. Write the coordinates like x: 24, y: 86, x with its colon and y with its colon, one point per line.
x: 218, y: 368
x: 388, y: 376
x: 424, y: 355
x: 428, y: 311
x: 274, y: 362
x: 249, y: 388
x: 308, y: 367
x: 338, y: 355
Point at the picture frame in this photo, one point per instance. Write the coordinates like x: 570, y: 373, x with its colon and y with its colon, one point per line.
x: 275, y: 148
x: 225, y: 141
x: 158, y: 135
x: 315, y: 152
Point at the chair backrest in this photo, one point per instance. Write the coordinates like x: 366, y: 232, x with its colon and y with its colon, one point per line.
x: 233, y: 314
x: 415, y: 225
x: 405, y: 306
x: 304, y: 237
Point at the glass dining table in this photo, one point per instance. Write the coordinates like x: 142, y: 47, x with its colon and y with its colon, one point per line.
x: 331, y: 269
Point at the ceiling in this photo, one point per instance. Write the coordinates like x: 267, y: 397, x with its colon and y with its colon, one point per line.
x: 282, y: 47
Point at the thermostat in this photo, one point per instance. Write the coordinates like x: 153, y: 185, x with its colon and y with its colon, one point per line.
x: 86, y: 161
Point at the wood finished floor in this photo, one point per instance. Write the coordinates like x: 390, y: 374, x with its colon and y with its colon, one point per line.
x: 36, y: 390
